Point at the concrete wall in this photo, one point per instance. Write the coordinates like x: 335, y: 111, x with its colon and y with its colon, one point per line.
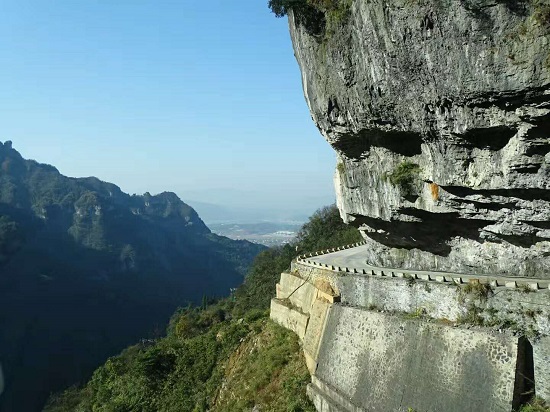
x: 382, y: 362
x: 526, y: 311
x: 541, y: 356
x: 367, y: 352
x: 289, y: 317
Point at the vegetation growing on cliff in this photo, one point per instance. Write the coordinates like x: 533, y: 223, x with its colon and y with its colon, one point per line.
x: 536, y: 405
x: 404, y: 176
x: 223, y: 356
x: 319, y: 17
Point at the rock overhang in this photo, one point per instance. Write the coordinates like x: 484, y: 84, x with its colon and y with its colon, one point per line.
x: 459, y: 89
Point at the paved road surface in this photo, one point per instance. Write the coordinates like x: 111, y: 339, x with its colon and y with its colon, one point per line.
x: 355, y: 258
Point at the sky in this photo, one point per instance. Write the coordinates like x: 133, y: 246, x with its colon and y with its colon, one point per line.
x: 202, y: 98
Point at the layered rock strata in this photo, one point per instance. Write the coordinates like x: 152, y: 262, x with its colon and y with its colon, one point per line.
x: 439, y: 112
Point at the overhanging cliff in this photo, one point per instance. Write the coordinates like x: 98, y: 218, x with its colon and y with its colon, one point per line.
x: 439, y: 112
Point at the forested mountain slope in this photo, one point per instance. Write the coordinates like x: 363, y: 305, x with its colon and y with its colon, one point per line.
x: 86, y: 269
x: 222, y: 357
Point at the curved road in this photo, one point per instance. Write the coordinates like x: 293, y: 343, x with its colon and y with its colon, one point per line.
x: 354, y: 258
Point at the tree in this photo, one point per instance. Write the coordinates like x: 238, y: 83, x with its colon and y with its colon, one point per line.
x: 11, y: 238
x: 326, y: 229
x: 281, y: 7
x: 309, y: 16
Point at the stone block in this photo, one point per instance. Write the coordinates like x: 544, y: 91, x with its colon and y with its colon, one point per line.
x: 316, y: 328
x: 289, y: 317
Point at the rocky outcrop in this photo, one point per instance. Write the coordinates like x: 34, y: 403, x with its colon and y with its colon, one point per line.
x: 439, y: 112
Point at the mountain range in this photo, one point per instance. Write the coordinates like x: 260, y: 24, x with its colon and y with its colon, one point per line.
x: 86, y: 269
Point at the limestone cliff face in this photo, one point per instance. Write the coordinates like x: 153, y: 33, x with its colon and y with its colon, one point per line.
x: 461, y: 89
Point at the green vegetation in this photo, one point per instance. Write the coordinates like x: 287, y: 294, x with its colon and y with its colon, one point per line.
x: 268, y: 370
x: 525, y: 288
x: 418, y: 313
x: 230, y: 341
x: 475, y: 290
x: 535, y: 24
x: 96, y: 268
x: 259, y: 285
x: 536, y: 405
x: 410, y: 280
x: 471, y: 317
x: 11, y: 238
x: 405, y: 176
x: 542, y: 15
x: 475, y: 295
x: 324, y: 230
x: 321, y: 18
x: 259, y: 362
x: 471, y: 294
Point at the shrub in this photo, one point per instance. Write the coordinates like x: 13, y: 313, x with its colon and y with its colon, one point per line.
x: 306, y: 14
x: 475, y: 290
x: 535, y: 405
x: 542, y: 15
x: 319, y: 17
x: 404, y: 176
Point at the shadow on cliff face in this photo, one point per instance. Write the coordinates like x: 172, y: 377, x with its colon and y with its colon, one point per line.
x: 430, y: 233
x: 537, y: 137
x: 529, y: 194
x: 311, y: 18
x: 524, y: 387
x: 479, y: 8
x: 492, y: 138
x: 517, y: 6
x: 355, y: 146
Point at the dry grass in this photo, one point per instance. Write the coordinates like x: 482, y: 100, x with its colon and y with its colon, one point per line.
x: 268, y: 371
x: 434, y: 189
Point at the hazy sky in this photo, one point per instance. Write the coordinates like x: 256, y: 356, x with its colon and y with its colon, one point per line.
x: 202, y: 98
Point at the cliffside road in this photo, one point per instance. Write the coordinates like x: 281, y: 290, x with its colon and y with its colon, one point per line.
x: 355, y: 258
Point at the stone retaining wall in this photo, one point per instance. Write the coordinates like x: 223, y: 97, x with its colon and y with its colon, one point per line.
x: 349, y: 316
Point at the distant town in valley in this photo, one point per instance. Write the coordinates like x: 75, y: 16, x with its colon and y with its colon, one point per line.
x: 265, y: 233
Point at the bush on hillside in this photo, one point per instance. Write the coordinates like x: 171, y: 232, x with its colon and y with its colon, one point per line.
x: 325, y: 229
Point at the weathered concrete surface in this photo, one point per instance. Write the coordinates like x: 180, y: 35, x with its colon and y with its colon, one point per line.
x: 297, y: 290
x: 376, y: 350
x: 315, y: 331
x: 328, y: 399
x: 541, y: 355
x: 459, y: 88
x: 527, y: 312
x: 383, y: 362
x: 289, y: 317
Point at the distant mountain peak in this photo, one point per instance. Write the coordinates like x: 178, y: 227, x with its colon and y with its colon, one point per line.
x: 96, y: 268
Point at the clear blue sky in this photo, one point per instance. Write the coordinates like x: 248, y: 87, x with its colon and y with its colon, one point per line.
x: 202, y: 98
